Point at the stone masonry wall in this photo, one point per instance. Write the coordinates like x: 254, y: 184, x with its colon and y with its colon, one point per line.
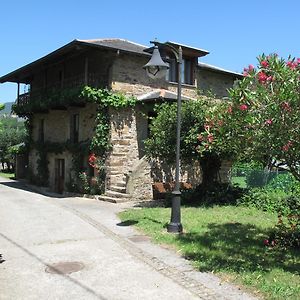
x: 128, y: 76
x: 218, y: 83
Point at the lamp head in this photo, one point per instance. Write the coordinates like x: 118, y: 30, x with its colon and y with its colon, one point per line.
x: 156, y: 67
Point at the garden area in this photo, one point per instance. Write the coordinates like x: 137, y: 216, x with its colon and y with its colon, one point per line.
x: 236, y: 234
x: 247, y: 231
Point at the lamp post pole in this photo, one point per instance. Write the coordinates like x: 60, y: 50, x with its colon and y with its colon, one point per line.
x: 175, y: 223
x: 153, y: 68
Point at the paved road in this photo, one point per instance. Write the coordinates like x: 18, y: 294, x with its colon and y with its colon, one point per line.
x: 39, y: 231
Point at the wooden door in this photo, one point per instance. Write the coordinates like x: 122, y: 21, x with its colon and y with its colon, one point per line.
x: 59, y: 175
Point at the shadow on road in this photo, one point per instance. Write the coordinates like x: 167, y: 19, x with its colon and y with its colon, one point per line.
x: 15, y: 184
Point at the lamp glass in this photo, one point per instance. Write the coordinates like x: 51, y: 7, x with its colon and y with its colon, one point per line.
x: 156, y: 72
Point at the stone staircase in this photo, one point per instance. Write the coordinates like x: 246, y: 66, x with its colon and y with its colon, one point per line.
x: 117, y: 190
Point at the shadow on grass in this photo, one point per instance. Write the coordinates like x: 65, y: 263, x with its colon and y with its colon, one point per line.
x: 237, y: 247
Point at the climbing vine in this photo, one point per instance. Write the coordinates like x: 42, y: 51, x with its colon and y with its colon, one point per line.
x: 99, y: 145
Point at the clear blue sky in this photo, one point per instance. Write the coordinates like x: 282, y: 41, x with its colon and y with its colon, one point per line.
x: 234, y: 31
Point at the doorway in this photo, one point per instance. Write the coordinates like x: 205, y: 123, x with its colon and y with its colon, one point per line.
x: 59, y: 175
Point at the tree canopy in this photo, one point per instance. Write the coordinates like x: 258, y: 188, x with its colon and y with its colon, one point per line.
x: 262, y: 120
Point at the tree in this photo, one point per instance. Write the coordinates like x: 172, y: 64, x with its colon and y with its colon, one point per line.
x: 161, y: 143
x: 12, y: 132
x: 262, y: 120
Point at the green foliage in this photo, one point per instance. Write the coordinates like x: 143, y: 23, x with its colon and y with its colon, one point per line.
x: 262, y: 120
x: 162, y: 140
x: 217, y: 194
x: 12, y: 133
x: 107, y: 98
x: 84, y: 182
x: 265, y: 199
x: 285, y: 182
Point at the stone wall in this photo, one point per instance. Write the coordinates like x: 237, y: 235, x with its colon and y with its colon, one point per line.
x: 129, y: 77
x: 216, y: 82
x: 124, y: 151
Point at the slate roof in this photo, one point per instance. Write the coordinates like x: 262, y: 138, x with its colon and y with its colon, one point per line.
x: 118, y: 44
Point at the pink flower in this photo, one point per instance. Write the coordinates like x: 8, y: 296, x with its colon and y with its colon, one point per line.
x: 298, y: 61
x: 243, y: 107
x: 291, y: 65
x: 286, y: 147
x: 251, y: 67
x: 229, y: 110
x: 264, y: 64
x: 210, y: 138
x: 245, y: 73
x: 270, y: 78
x: 266, y: 242
x: 262, y: 77
x: 247, y: 70
x: 269, y: 122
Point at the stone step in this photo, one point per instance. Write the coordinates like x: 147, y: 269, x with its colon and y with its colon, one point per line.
x: 114, y: 194
x: 121, y: 183
x: 118, y: 154
x: 120, y: 189
x: 111, y: 199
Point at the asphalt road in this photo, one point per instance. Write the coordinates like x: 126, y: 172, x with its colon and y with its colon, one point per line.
x: 40, y: 234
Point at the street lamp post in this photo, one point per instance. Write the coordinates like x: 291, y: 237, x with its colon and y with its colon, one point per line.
x: 157, y: 68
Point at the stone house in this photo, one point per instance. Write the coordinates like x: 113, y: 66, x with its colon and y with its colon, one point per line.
x: 115, y: 64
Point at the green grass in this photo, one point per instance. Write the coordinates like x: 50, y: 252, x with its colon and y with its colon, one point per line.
x: 7, y: 175
x: 239, y: 181
x: 228, y: 241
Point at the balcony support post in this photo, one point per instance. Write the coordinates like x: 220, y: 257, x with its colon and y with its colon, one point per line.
x: 18, y: 93
x: 86, y: 70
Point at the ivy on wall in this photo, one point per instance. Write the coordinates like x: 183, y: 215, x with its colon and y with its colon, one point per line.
x: 99, y: 143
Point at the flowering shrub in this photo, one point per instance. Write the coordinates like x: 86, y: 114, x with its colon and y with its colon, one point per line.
x: 262, y: 119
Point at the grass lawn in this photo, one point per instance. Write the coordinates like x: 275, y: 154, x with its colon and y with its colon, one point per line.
x: 7, y: 175
x: 228, y: 241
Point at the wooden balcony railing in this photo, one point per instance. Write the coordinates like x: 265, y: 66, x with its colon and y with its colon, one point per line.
x: 39, y: 94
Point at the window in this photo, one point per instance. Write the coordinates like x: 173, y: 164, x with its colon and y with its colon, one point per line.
x: 74, y: 128
x: 186, y: 71
x: 41, y: 131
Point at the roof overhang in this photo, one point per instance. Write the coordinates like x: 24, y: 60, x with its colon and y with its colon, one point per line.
x: 23, y: 74
x: 186, y: 50
x: 161, y: 94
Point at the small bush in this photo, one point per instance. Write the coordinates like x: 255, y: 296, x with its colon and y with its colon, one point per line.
x: 287, y: 231
x: 264, y: 199
x: 218, y: 193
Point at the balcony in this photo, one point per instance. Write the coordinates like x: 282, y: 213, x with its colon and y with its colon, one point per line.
x: 55, y: 94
